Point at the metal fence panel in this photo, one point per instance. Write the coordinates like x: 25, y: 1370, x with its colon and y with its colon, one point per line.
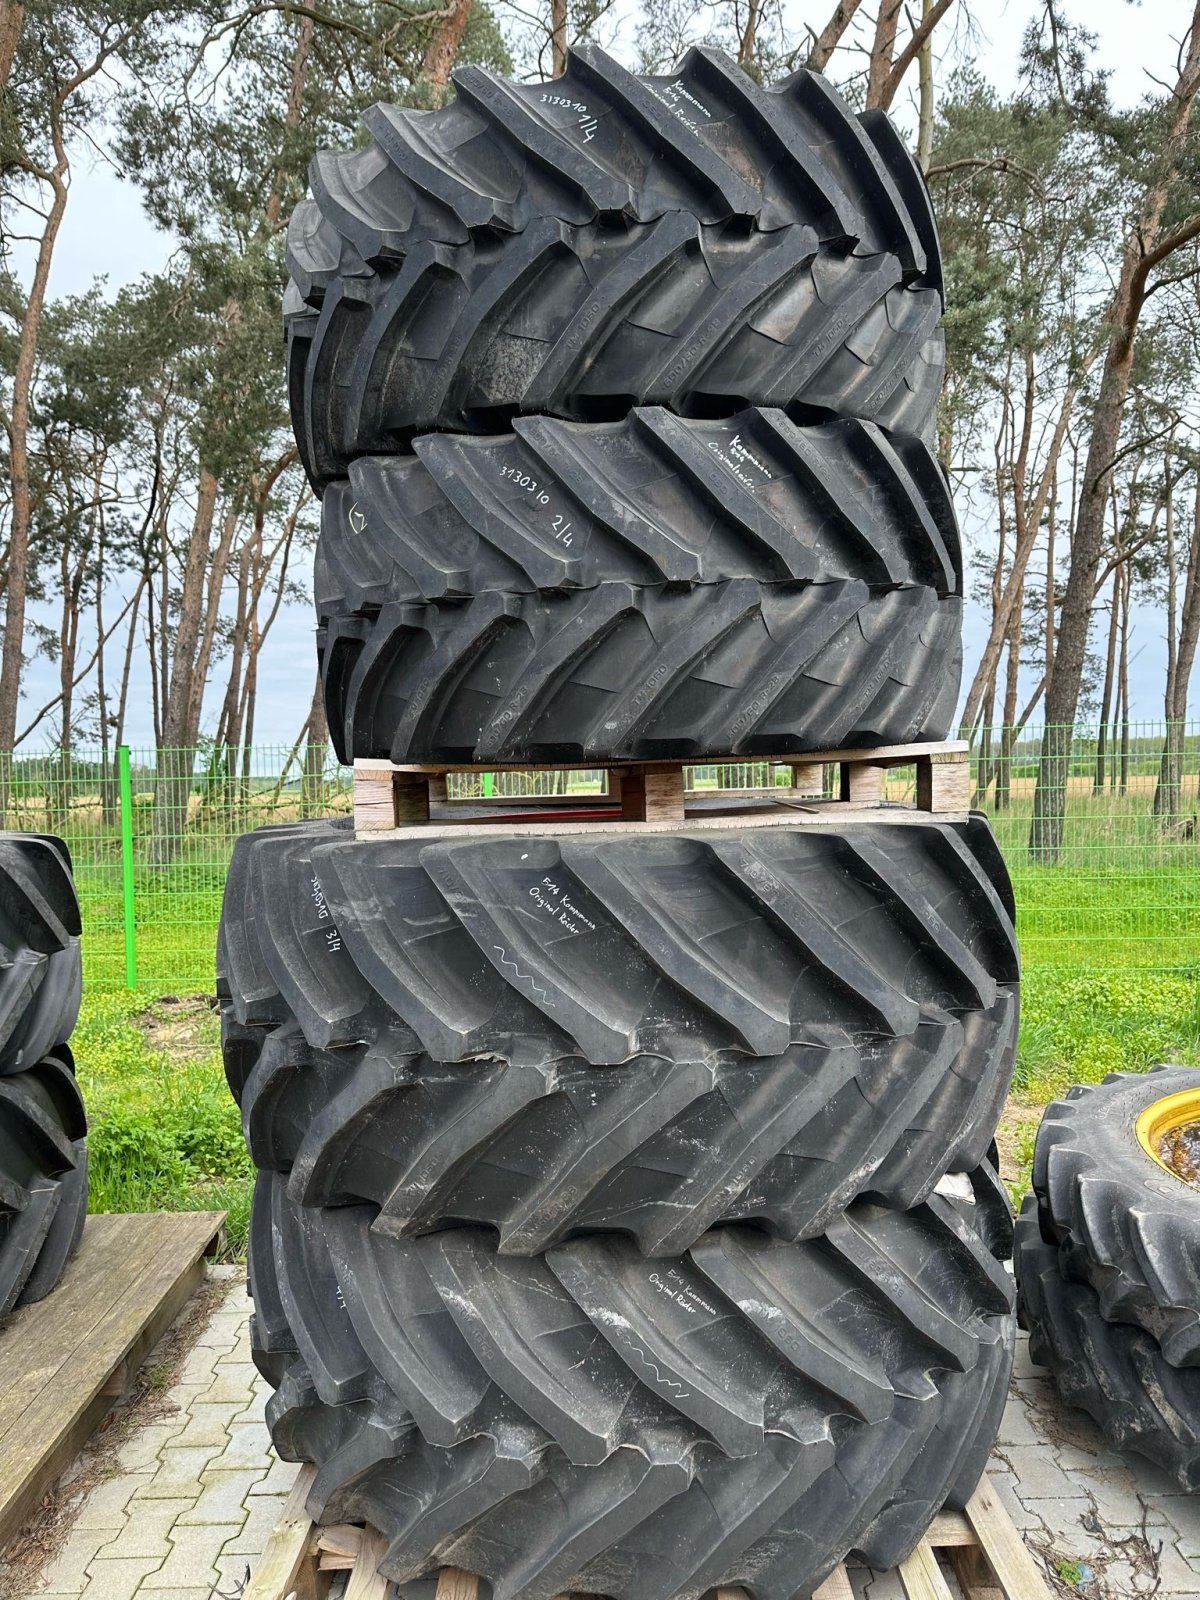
x: 151, y: 834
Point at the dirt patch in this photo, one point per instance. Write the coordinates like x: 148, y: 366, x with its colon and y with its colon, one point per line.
x: 181, y: 1025
x: 48, y: 1529
x: 1015, y: 1135
x: 1180, y: 1150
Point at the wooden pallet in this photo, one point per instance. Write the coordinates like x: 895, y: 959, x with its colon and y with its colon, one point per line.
x: 67, y: 1360
x: 981, y: 1547
x: 391, y: 799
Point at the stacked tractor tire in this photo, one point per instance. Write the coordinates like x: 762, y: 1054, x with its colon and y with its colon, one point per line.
x: 624, y: 1223
x: 43, y: 1149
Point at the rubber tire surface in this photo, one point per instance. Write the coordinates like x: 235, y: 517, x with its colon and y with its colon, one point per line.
x: 1123, y: 1223
x: 585, y: 322
x: 43, y: 1177
x: 591, y: 1421
x: 754, y: 1024
x: 653, y: 588
x: 737, y: 671
x: 1115, y: 1372
x: 41, y: 972
x: 602, y: 142
x: 650, y: 501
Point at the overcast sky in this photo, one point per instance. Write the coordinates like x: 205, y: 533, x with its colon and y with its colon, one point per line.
x: 106, y: 233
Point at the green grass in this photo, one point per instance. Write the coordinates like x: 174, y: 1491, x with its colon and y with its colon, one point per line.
x: 1077, y: 1027
x: 164, y: 1134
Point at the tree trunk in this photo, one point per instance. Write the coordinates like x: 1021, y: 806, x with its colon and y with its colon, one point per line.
x: 830, y: 35
x: 12, y: 15
x: 1168, y: 794
x: 1145, y: 247
x: 883, y: 49
x: 1110, y: 667
x: 748, y: 43
x: 558, y: 37
x: 442, y: 50
x: 173, y: 775
x: 1126, y: 578
x: 925, y: 94
x: 1029, y: 520
x: 316, y: 752
x: 20, y: 515
x: 1012, y: 688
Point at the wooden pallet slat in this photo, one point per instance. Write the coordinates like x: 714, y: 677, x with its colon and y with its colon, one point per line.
x: 987, y: 1554
x: 66, y: 1359
x: 392, y: 799
x: 289, y: 1560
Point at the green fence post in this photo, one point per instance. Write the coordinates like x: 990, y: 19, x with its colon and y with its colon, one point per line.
x: 489, y: 785
x: 125, y: 789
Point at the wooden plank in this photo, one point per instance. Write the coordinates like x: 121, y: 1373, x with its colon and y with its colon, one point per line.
x: 896, y: 755
x: 921, y: 1577
x: 808, y: 778
x: 817, y: 814
x: 374, y: 797
x: 837, y: 1586
x: 1006, y: 1551
x: 280, y: 1570
x: 366, y: 1581
x: 943, y: 782
x: 664, y: 795
x: 455, y: 1584
x: 862, y: 783
x: 949, y: 1529
x: 128, y: 1283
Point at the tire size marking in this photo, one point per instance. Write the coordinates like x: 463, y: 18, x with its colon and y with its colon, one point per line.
x: 586, y: 123
x: 560, y: 525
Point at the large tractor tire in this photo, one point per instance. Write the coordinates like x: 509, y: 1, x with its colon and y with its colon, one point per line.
x: 1114, y: 1371
x: 647, y: 589
x: 43, y: 1177
x: 605, y: 240
x: 585, y: 322
x: 601, y: 142
x: 648, y: 1034
x: 1116, y: 1172
x: 739, y: 671
x: 649, y: 501
x: 746, y: 1413
x: 41, y: 973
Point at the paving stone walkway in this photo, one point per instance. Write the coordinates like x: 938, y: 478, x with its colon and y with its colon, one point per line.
x: 193, y: 1497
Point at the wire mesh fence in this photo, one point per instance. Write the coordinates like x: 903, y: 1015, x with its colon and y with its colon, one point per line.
x: 151, y: 834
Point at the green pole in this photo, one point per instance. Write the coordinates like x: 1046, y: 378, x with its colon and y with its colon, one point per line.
x: 489, y: 785
x: 125, y: 787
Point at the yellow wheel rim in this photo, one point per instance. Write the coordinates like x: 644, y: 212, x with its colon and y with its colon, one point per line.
x: 1162, y: 1118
